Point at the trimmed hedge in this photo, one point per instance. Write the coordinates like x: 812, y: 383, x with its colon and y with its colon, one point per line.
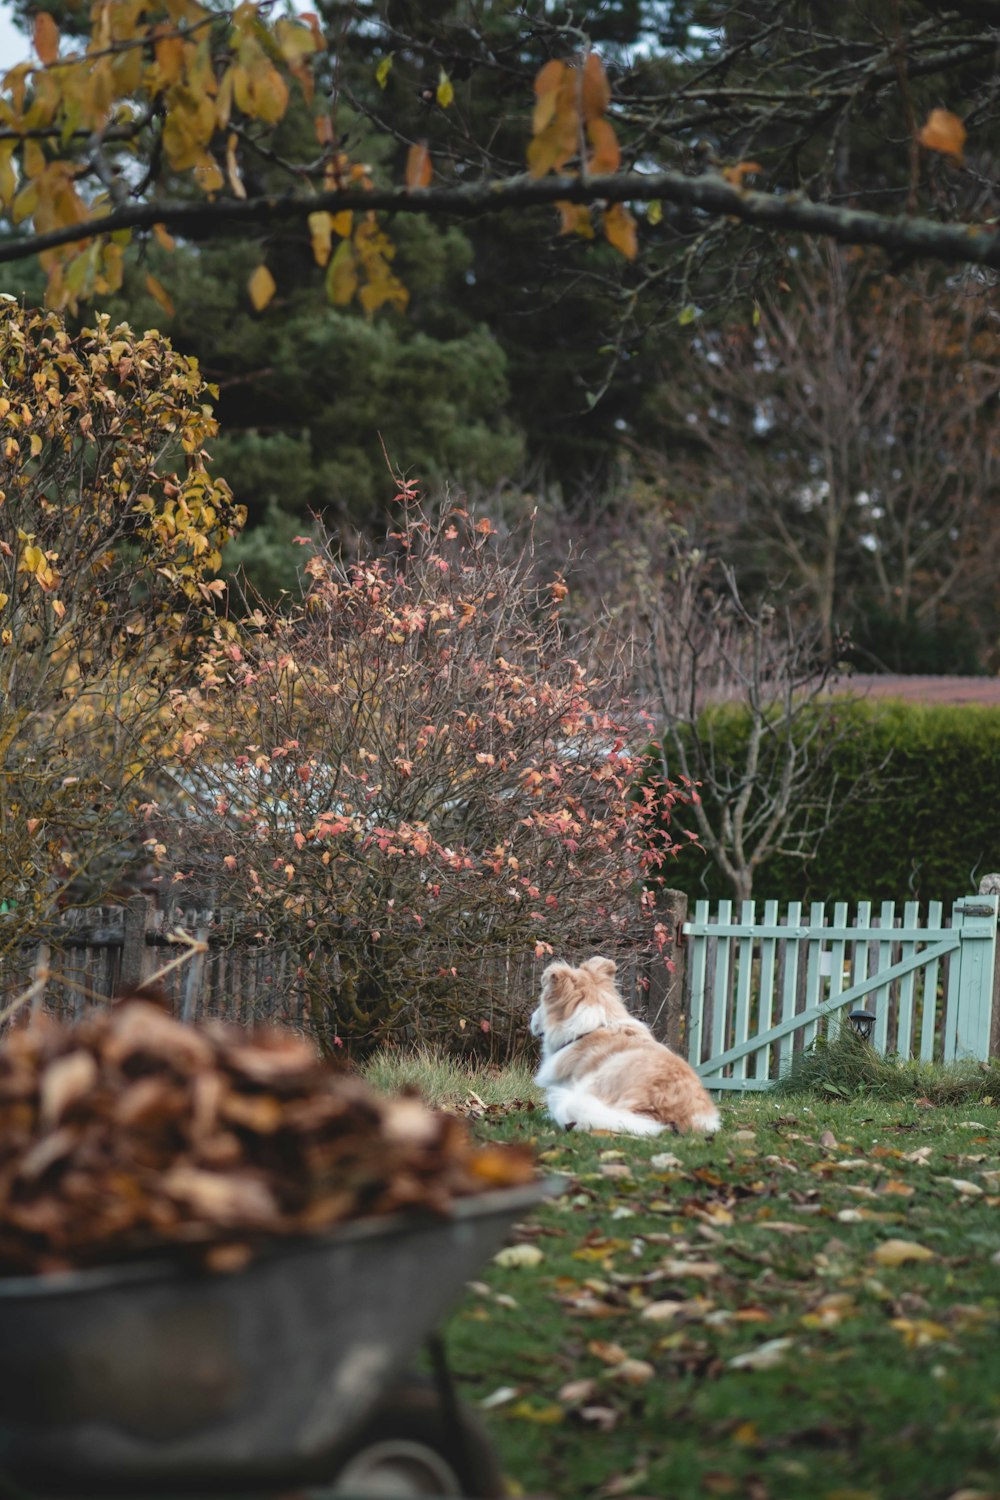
x: 925, y: 826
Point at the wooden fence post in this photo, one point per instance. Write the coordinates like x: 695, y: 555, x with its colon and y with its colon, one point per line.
x: 667, y: 995
x: 133, y: 965
x: 990, y: 886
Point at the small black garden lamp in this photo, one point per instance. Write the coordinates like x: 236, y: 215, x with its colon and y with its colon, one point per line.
x: 862, y: 1023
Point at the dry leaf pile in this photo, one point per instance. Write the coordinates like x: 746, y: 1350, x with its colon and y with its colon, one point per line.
x: 131, y: 1131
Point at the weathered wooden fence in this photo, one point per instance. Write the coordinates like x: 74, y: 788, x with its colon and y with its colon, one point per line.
x: 91, y: 955
x: 764, y: 983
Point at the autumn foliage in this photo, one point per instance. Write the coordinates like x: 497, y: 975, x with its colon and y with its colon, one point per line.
x: 110, y: 536
x: 132, y: 1133
x: 409, y: 777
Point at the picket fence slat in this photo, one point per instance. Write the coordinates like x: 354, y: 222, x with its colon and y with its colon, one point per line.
x: 907, y: 985
x: 699, y: 961
x: 742, y: 1028
x: 838, y: 947
x: 789, y: 987
x: 768, y: 955
x: 814, y: 974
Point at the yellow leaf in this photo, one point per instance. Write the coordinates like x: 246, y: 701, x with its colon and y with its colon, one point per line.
x: 607, y: 153
x: 943, y: 132
x: 320, y: 230
x: 546, y: 1416
x: 261, y: 288
x: 3, y: 599
x: 170, y: 55
x: 342, y: 275
x: 164, y: 238
x: 157, y: 290
x: 547, y: 85
x: 445, y: 91
x: 574, y: 218
x: 418, y: 167
x: 8, y: 179
x: 519, y: 1257
x: 619, y: 230
x: 895, y: 1252
x: 654, y: 213
x: 36, y: 444
x: 341, y: 223
x: 919, y: 1331
x: 46, y: 37
x: 383, y: 70
x: 233, y: 169
x: 596, y: 90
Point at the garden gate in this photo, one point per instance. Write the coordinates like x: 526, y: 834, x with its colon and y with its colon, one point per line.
x: 761, y: 990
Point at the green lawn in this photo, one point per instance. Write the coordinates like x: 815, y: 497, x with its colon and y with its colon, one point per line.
x: 725, y: 1322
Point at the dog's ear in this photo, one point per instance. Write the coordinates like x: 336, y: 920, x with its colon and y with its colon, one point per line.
x: 601, y: 968
x: 558, y: 980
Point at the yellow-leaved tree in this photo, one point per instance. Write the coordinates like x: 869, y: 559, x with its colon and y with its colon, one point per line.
x: 110, y: 534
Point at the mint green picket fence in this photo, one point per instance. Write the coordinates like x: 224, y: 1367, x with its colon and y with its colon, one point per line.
x: 765, y: 983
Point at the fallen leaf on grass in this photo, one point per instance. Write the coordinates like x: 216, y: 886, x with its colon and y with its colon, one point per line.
x: 967, y: 1189
x: 920, y: 1155
x: 661, y: 1312
x: 500, y: 1397
x: 519, y: 1257
x: 781, y: 1227
x: 608, y: 1354
x: 894, y: 1186
x: 665, y: 1161
x: 702, y: 1269
x: 633, y: 1372
x: 829, y: 1311
x: 897, y: 1252
x: 544, y: 1416
x: 765, y: 1357
x: 577, y: 1392
x: 604, y: 1418
x: 919, y: 1331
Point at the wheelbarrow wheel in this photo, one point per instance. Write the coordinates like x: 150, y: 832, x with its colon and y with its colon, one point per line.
x: 412, y: 1446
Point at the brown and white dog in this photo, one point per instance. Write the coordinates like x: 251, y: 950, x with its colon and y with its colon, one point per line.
x: 601, y: 1068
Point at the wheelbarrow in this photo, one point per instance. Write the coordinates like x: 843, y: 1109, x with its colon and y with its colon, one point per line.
x: 289, y: 1375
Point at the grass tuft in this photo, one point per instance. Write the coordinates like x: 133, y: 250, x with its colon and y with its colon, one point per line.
x: 446, y: 1081
x: 849, y: 1068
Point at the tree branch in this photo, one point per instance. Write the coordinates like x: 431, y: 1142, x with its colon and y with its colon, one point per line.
x: 708, y: 193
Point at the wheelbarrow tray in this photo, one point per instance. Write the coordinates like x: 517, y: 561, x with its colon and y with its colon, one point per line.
x: 148, y: 1375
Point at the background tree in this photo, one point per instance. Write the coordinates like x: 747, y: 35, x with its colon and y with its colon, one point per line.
x: 747, y: 722
x: 111, y: 530
x: 849, y: 438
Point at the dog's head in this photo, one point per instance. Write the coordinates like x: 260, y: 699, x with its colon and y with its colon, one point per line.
x: 574, y: 1002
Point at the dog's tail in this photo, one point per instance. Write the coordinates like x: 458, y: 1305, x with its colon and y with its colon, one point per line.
x: 577, y: 1108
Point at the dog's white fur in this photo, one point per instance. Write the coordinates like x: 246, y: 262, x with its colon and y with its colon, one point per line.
x: 601, y: 1068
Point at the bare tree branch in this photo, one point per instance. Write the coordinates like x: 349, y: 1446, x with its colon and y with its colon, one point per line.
x: 708, y: 192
